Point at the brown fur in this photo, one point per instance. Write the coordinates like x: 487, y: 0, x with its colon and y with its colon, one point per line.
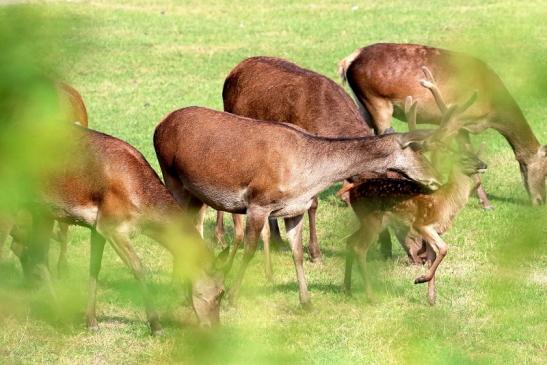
x: 113, y: 190
x: 76, y: 112
x: 269, y: 88
x: 383, y: 75
x: 261, y: 168
x: 415, y: 213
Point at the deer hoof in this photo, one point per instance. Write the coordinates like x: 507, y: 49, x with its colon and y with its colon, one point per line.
x: 422, y: 279
x: 316, y: 260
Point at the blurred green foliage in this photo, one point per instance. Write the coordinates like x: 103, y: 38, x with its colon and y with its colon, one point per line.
x: 134, y: 61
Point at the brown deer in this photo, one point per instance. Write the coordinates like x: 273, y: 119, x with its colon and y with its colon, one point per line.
x: 269, y: 88
x: 382, y: 75
x: 73, y: 107
x: 113, y: 190
x: 270, y: 169
x: 419, y: 217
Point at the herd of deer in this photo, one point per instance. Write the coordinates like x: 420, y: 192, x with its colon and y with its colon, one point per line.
x: 285, y: 135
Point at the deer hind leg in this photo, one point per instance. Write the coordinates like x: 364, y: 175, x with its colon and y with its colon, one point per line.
x: 256, y: 218
x: 219, y: 229
x: 95, y: 260
x: 267, y: 254
x: 62, y: 237
x: 293, y: 226
x: 440, y: 248
x: 381, y: 111
x: 200, y: 219
x: 35, y: 253
x: 431, y: 290
x: 465, y: 144
x: 313, y: 247
x: 275, y: 233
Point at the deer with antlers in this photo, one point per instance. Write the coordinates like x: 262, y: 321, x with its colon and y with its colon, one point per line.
x: 419, y: 217
x: 275, y: 170
x: 382, y: 75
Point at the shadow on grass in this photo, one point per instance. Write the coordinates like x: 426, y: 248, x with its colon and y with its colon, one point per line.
x: 509, y: 200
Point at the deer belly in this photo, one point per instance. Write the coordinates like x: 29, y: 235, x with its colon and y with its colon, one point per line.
x: 291, y: 209
x: 219, y: 198
x: 82, y: 215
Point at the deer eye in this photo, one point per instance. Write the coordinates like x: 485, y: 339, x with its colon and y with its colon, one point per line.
x: 416, y: 146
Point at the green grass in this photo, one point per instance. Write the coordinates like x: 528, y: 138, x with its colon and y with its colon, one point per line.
x: 135, y: 61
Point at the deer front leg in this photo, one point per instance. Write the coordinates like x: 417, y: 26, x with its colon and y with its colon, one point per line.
x: 436, y: 243
x: 256, y: 218
x: 125, y: 250
x: 293, y: 226
x: 62, y: 237
x: 465, y: 144
x: 368, y: 235
x: 350, y: 256
x: 95, y: 260
x: 238, y: 238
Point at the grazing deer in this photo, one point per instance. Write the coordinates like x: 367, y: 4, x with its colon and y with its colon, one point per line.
x: 382, y: 75
x: 273, y: 89
x: 418, y: 216
x: 74, y: 111
x: 270, y: 169
x: 112, y: 190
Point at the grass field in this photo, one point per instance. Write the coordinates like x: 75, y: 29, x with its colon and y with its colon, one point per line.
x: 135, y: 61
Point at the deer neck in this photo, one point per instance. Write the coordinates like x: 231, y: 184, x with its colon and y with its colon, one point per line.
x: 458, y: 189
x: 518, y: 133
x: 340, y: 159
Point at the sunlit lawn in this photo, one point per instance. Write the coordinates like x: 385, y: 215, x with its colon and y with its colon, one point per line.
x: 135, y: 61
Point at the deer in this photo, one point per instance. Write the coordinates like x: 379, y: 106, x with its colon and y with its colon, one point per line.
x: 418, y: 216
x: 269, y: 169
x: 112, y: 190
x: 382, y: 75
x: 73, y: 107
x: 273, y: 89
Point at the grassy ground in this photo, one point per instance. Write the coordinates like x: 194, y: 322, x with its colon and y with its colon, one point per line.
x: 135, y: 61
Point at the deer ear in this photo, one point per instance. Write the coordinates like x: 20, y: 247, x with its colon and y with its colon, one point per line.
x: 414, y: 138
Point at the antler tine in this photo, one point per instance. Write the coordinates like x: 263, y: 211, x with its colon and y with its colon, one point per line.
x: 469, y: 102
x: 410, y: 112
x: 428, y: 74
x: 447, y: 115
x: 432, y: 86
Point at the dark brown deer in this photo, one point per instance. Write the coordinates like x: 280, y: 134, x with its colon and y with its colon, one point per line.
x: 74, y: 111
x: 419, y: 217
x: 113, y: 190
x: 273, y: 89
x: 383, y: 75
x: 269, y: 169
